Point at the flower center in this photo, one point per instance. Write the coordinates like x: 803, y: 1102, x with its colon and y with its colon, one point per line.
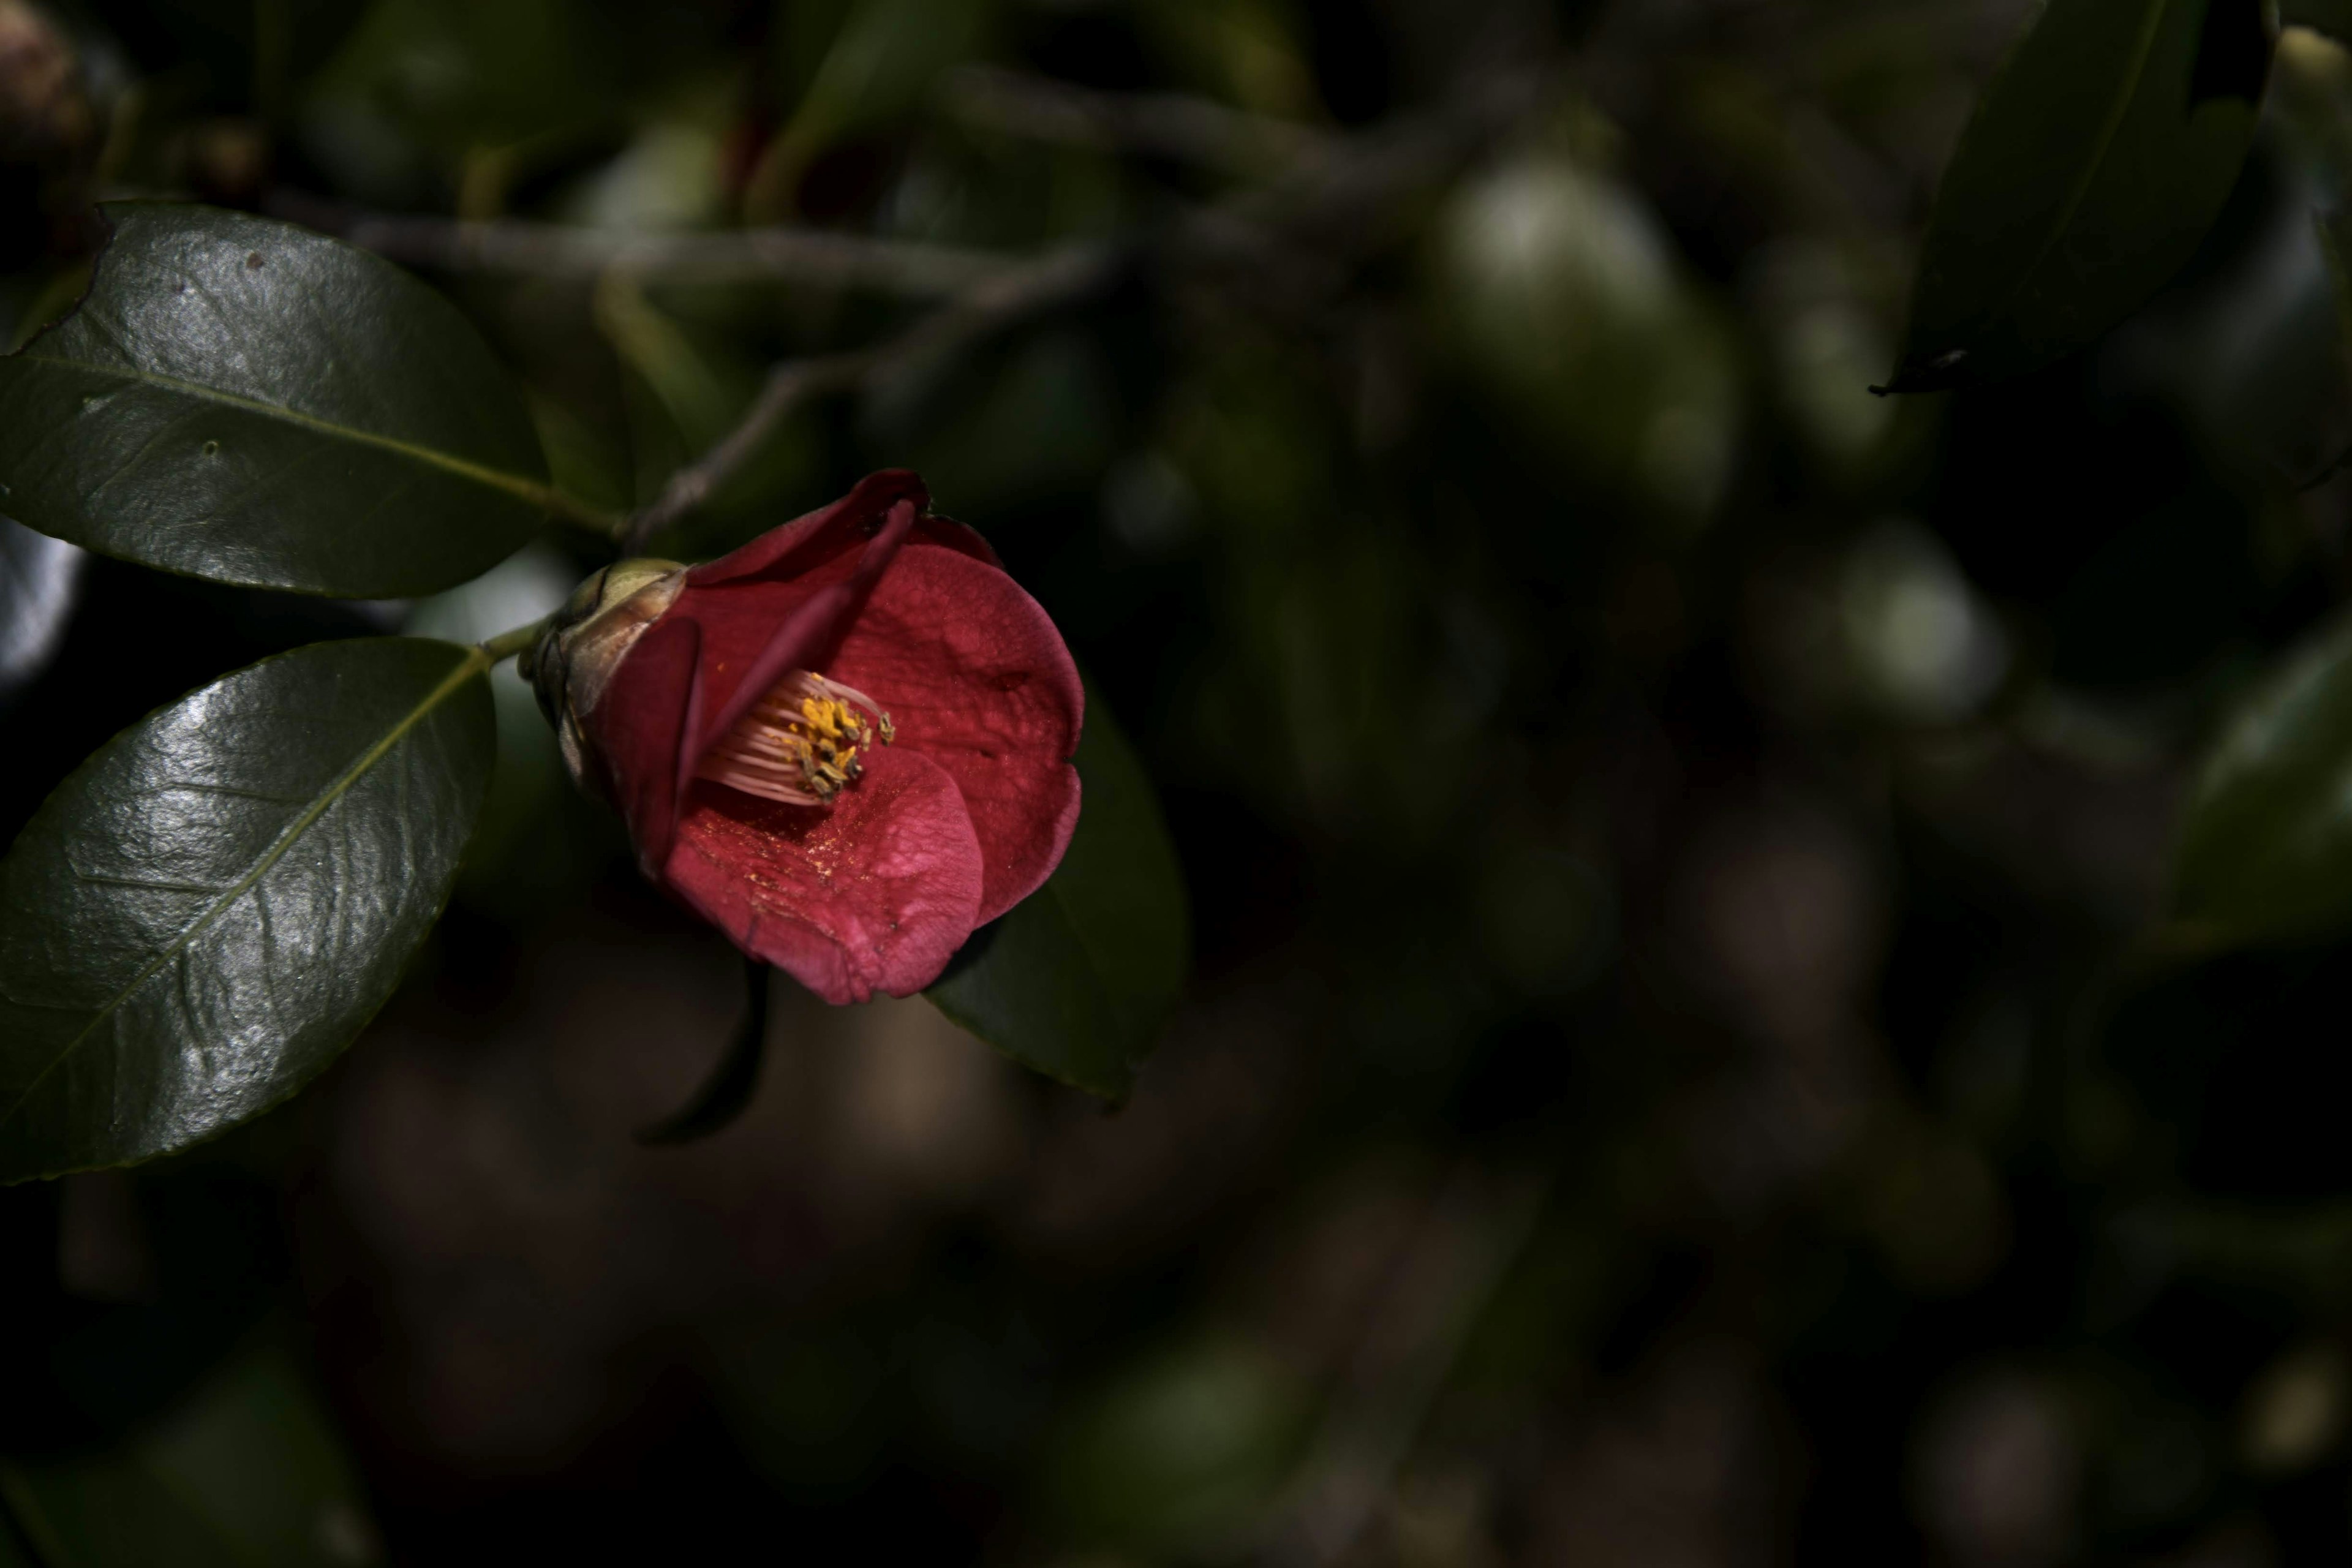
x: 799, y: 743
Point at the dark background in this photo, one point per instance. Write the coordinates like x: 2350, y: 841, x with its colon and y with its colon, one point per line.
x: 1668, y: 1076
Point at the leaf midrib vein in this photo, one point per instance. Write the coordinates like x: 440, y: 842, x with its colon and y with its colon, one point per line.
x: 495, y: 478
x: 473, y: 664
x: 2133, y: 75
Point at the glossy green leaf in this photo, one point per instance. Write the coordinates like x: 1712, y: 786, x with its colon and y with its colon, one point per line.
x: 245, y: 401
x: 2098, y: 158
x: 1079, y: 982
x: 247, y: 1474
x: 213, y: 905
x: 2265, y: 846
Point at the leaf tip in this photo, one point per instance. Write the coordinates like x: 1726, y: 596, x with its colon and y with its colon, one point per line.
x: 1939, y: 373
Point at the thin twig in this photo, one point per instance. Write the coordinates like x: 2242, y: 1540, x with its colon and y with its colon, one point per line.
x: 1161, y: 124
x: 1340, y: 186
x: 513, y: 246
x: 1056, y: 278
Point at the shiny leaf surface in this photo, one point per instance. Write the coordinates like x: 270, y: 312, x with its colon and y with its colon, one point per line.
x: 213, y: 905
x: 1078, y: 980
x: 245, y: 401
x: 2265, y: 846
x: 2098, y: 157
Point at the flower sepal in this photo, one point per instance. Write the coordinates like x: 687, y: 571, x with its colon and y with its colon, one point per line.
x: 575, y: 657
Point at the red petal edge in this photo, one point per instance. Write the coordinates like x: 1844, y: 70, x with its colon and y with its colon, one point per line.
x: 807, y: 542
x: 976, y: 677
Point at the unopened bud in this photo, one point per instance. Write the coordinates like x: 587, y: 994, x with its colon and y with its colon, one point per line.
x: 573, y: 659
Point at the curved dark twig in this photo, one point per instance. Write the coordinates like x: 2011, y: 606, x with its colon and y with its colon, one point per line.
x: 727, y: 1093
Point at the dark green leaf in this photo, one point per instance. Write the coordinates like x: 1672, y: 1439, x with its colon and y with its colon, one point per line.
x: 2099, y: 156
x: 1079, y: 982
x: 247, y: 1474
x: 2265, y: 845
x: 243, y: 400
x: 215, y: 902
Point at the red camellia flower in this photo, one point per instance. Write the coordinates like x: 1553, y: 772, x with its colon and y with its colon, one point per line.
x: 846, y: 745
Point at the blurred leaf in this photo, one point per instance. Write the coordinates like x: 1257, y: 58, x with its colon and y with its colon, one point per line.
x: 1244, y: 51
x: 40, y: 579
x: 458, y: 77
x: 2333, y: 232
x: 247, y: 1474
x: 809, y: 1407
x: 695, y: 393
x: 669, y: 177
x: 580, y: 462
x: 241, y: 400
x: 2265, y: 846
x: 1181, y: 1450
x: 14, y: 1553
x: 1079, y: 982
x: 2258, y: 358
x: 2333, y: 18
x: 541, y: 841
x: 1564, y: 294
x: 1005, y: 431
x: 2099, y: 156
x: 878, y: 67
x: 214, y: 903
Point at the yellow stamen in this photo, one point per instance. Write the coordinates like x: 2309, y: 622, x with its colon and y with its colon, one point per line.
x: 799, y: 743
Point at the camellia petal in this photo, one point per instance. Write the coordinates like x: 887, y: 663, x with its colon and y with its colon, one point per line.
x: 874, y: 894
x: 980, y: 682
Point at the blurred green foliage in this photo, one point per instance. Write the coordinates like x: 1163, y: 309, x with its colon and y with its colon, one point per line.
x: 1613, y: 757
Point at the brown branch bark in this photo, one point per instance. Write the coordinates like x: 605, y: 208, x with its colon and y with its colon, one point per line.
x: 517, y: 248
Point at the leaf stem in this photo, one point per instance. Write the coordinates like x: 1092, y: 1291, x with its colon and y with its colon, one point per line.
x: 506, y: 645
x: 608, y: 526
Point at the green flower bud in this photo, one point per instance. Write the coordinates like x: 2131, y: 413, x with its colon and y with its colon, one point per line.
x: 585, y: 643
